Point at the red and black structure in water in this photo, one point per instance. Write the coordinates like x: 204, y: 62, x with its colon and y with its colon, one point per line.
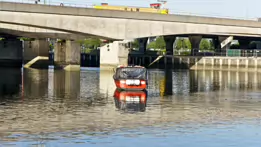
x: 131, y: 78
x: 130, y: 101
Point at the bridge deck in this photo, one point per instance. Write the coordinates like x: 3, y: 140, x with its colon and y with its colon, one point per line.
x: 47, y: 9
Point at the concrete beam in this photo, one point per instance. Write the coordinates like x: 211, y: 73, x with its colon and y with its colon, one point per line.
x: 39, y: 33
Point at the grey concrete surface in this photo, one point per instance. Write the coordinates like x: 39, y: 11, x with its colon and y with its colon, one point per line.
x: 121, y: 25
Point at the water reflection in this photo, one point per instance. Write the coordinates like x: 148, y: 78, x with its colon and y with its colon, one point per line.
x: 130, y: 101
x: 35, y: 83
x: 10, y: 82
x: 83, y: 106
x: 66, y: 84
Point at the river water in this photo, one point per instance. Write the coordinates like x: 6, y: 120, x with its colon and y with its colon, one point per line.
x: 47, y: 108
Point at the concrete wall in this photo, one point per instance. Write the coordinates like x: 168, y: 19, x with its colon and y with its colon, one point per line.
x: 223, y: 63
x: 121, y: 25
x: 114, y: 54
x: 35, y: 48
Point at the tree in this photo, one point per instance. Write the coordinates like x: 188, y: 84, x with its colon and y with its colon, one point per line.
x: 152, y: 45
x: 204, y: 44
x: 182, y: 43
x: 135, y: 43
x: 90, y: 43
x: 160, y: 43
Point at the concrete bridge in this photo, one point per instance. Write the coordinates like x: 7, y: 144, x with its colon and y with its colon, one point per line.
x: 121, y: 25
x: 115, y: 25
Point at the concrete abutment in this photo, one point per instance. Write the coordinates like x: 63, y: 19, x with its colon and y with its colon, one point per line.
x: 114, y: 54
x: 36, y: 53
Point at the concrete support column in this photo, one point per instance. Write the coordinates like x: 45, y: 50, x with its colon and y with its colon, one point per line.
x: 195, y: 42
x: 35, y: 48
x: 114, y: 54
x: 11, y: 53
x: 143, y: 44
x: 169, y: 40
x: 244, y: 44
x: 67, y: 55
x: 217, y: 45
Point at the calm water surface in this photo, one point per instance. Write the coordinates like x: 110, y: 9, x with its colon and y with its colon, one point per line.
x: 47, y: 108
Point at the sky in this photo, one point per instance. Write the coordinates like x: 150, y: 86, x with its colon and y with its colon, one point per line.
x: 237, y: 9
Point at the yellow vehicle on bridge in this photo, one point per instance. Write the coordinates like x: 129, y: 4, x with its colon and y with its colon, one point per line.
x: 154, y: 8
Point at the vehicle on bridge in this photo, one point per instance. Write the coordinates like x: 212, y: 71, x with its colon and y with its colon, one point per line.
x: 131, y: 77
x: 154, y: 8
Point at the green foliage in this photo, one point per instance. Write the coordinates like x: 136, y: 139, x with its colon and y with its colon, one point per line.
x: 135, y: 43
x: 26, y: 39
x: 51, y: 46
x: 182, y: 44
x: 204, y: 44
x: 152, y: 45
x: 160, y: 43
x: 90, y: 43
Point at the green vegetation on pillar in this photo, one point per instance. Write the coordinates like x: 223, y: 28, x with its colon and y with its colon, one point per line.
x: 26, y: 39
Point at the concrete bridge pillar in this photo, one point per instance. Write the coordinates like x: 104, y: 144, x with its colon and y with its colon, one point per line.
x: 67, y: 55
x: 217, y: 45
x: 244, y: 44
x: 169, y: 40
x: 114, y: 54
x: 11, y: 53
x: 143, y: 44
x: 35, y: 48
x: 195, y: 42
